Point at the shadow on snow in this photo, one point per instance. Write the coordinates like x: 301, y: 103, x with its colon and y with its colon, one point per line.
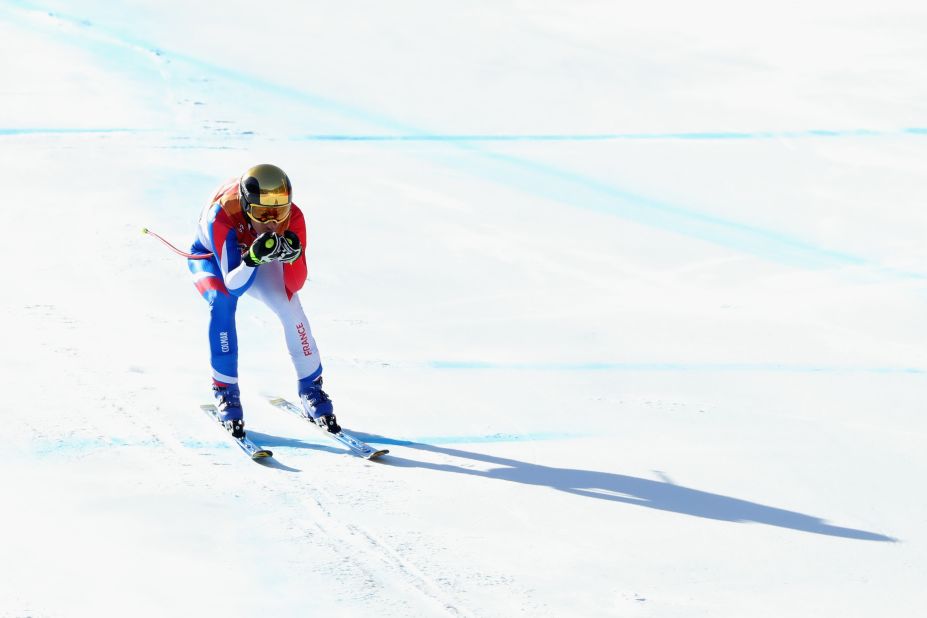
x: 271, y: 442
x: 664, y: 496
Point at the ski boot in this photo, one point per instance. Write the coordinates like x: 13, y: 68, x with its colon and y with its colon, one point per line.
x: 318, y: 406
x: 231, y: 415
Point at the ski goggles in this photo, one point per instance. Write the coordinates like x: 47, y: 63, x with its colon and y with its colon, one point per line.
x: 268, y: 214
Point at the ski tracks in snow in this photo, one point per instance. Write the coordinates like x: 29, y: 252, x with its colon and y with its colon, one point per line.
x: 392, y: 584
x: 407, y: 584
x: 381, y: 578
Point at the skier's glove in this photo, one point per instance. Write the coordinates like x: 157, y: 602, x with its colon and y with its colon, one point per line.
x: 266, y: 248
x: 292, y: 248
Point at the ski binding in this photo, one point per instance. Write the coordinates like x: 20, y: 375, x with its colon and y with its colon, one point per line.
x: 250, y: 448
x: 356, y: 446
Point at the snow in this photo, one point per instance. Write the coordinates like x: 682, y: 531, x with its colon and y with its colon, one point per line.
x: 633, y: 294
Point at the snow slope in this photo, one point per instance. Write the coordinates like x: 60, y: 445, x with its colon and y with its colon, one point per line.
x: 633, y: 294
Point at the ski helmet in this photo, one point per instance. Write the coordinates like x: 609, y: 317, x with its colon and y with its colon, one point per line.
x: 265, y: 193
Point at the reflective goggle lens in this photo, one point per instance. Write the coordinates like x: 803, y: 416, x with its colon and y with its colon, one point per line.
x: 269, y: 214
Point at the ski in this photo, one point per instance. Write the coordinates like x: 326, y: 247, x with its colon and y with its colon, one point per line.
x: 356, y: 446
x: 250, y: 448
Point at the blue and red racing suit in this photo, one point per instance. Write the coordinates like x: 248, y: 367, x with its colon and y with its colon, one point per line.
x: 225, y: 231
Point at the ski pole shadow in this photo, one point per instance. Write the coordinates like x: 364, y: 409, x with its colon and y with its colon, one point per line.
x: 621, y: 488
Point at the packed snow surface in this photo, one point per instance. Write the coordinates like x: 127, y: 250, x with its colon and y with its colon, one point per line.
x: 633, y: 292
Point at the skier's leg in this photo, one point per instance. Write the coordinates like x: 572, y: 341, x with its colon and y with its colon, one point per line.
x: 223, y: 343
x: 223, y: 337
x: 269, y: 289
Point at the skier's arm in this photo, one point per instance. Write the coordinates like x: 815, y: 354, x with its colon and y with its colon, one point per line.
x: 296, y: 271
x: 240, y: 278
x: 236, y: 274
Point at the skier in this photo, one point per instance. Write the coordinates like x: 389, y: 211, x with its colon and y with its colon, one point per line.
x: 257, y: 237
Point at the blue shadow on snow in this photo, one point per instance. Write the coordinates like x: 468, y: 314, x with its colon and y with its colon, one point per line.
x: 625, y: 489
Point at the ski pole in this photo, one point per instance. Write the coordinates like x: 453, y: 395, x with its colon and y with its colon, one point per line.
x: 192, y: 256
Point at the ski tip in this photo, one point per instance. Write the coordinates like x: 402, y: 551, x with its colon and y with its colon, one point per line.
x: 378, y: 454
x: 276, y: 400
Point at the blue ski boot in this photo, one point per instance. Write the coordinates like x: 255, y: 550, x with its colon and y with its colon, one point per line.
x: 231, y: 415
x: 317, y: 405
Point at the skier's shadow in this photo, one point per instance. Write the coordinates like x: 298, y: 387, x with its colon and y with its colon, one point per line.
x: 665, y: 496
x: 269, y: 441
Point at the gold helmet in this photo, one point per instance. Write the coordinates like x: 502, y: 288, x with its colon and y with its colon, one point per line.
x: 265, y: 194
